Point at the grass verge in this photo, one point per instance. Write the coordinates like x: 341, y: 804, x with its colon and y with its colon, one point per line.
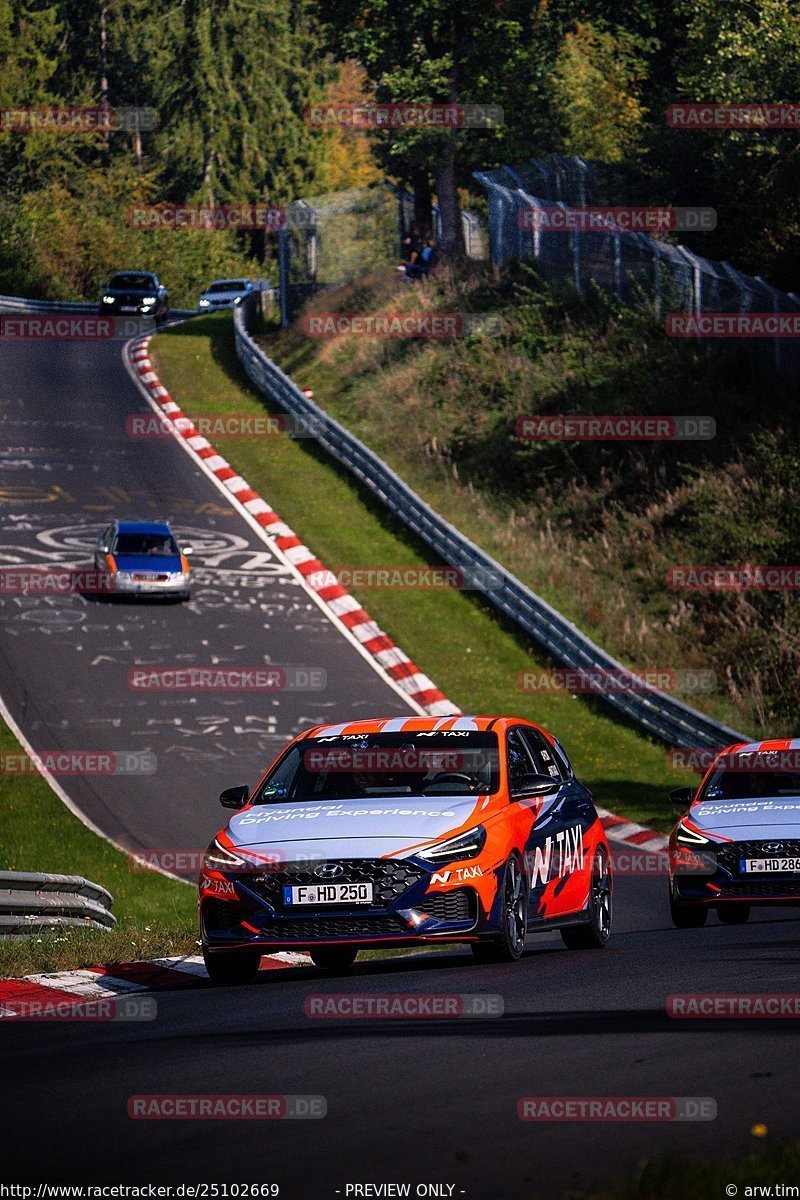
x: 470, y: 652
x: 156, y: 916
x: 701, y: 1179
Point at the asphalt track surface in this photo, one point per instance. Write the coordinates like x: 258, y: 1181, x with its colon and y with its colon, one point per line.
x: 408, y: 1101
x: 422, y: 1101
x: 68, y: 466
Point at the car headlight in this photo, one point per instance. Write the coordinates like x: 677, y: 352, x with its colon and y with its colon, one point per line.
x: 148, y: 300
x: 205, y: 303
x: 108, y: 299
x: 219, y: 858
x: 124, y: 576
x: 689, y: 837
x: 464, y: 845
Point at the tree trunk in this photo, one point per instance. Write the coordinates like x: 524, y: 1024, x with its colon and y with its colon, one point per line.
x: 451, y: 243
x: 423, y: 199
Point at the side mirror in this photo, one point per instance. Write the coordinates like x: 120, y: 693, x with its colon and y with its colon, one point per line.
x: 681, y: 796
x: 235, y: 797
x: 535, y: 785
x: 187, y: 550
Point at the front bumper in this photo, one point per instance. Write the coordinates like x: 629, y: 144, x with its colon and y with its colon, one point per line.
x: 238, y: 910
x: 171, y: 585
x: 726, y: 880
x: 130, y: 309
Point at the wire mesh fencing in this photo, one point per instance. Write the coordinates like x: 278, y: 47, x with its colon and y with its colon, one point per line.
x: 531, y: 219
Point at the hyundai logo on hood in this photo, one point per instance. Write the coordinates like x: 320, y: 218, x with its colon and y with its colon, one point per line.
x: 772, y: 847
x: 329, y: 871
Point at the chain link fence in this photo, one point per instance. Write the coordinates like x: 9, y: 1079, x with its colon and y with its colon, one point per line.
x: 633, y: 266
x: 333, y: 239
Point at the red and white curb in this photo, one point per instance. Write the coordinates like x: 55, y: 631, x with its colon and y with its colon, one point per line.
x: 619, y: 829
x: 122, y: 979
x: 343, y: 608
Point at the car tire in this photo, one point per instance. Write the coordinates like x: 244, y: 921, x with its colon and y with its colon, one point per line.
x: 594, y: 933
x: 687, y: 916
x: 232, y: 967
x: 509, y: 944
x: 734, y: 914
x: 336, y: 959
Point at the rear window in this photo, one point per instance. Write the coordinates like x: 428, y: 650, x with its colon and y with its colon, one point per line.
x: 357, y: 767
x: 133, y: 281
x: 154, y: 544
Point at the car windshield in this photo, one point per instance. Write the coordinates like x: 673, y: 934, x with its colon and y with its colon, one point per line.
x: 357, y: 767
x: 748, y: 775
x: 151, y: 544
x: 228, y: 285
x: 133, y: 281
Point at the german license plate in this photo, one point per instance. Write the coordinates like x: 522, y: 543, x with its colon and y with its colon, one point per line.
x: 770, y: 866
x: 329, y: 893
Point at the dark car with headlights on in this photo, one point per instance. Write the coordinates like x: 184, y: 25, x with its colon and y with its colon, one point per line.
x: 134, y: 293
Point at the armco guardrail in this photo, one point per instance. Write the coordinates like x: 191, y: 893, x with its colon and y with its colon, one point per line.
x: 21, y: 304
x: 32, y: 902
x: 654, y: 711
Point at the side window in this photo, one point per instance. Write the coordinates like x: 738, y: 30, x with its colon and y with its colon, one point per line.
x: 563, y: 761
x: 542, y: 754
x: 519, y: 762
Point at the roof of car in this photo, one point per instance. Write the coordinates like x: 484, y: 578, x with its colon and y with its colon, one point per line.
x: 415, y: 725
x: 143, y: 527
x: 761, y: 747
